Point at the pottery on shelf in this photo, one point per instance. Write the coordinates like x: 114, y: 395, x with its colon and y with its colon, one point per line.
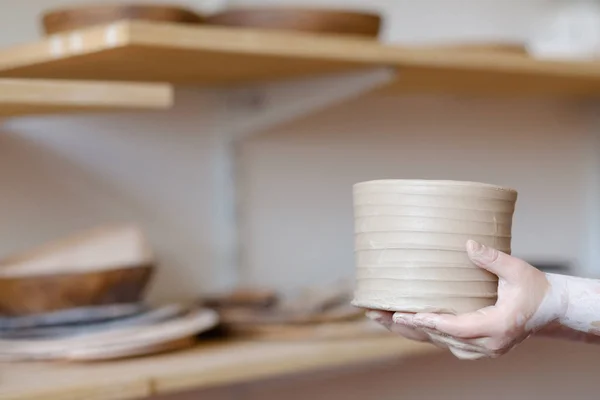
x: 104, y: 266
x: 300, y: 19
x: 144, y: 317
x: 566, y: 30
x: 410, y: 243
x: 241, y: 297
x: 47, y: 293
x: 314, y: 313
x: 168, y: 332
x: 80, y: 17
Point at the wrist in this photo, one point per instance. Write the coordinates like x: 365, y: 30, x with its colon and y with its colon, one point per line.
x: 553, y: 308
x: 582, y: 309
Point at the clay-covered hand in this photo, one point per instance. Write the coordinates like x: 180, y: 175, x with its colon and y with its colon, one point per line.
x: 526, y: 303
x: 386, y: 318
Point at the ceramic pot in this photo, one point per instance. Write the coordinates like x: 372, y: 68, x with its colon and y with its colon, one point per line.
x: 410, y: 238
x: 567, y: 30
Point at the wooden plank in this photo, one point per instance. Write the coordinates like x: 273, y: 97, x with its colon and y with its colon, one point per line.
x: 68, y: 390
x: 490, y: 83
x: 37, y: 96
x: 104, y: 247
x: 183, y: 54
x: 214, y: 55
x: 206, y: 365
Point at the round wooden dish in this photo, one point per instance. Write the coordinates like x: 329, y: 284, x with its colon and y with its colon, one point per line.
x: 68, y: 19
x: 299, y: 19
x: 38, y: 294
x: 249, y: 317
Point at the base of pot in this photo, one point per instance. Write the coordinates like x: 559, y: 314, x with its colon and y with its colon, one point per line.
x: 442, y: 305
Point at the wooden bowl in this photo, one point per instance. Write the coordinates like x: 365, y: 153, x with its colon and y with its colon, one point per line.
x: 68, y: 19
x: 37, y: 294
x: 298, y: 19
x: 247, y: 298
x: 253, y: 317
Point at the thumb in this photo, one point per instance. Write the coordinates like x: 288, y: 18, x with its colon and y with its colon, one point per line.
x: 494, y: 261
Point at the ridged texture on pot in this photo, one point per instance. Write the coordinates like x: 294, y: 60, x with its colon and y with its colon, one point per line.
x: 410, y: 238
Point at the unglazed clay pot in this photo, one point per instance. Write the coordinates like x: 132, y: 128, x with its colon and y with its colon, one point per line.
x: 410, y: 238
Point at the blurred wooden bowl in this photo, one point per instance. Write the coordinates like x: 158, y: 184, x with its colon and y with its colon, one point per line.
x: 299, y: 19
x: 253, y: 317
x: 106, y: 265
x: 249, y: 298
x: 68, y: 19
x: 29, y: 295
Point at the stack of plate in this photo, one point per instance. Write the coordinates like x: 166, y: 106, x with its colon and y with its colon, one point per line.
x: 101, y: 333
x: 83, y: 298
x: 313, y: 314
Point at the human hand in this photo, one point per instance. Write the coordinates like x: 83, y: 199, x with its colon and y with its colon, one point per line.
x: 386, y: 318
x: 527, y: 302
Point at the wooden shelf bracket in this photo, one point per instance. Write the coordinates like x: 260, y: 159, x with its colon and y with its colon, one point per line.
x: 256, y: 108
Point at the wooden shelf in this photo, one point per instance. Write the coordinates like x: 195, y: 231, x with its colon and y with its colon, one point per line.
x: 204, y: 366
x: 20, y: 97
x: 211, y: 55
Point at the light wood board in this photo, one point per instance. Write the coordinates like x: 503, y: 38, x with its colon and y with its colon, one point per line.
x: 203, y: 366
x: 40, y: 96
x: 105, y: 247
x: 215, y: 55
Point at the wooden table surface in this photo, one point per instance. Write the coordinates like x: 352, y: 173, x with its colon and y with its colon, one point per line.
x: 208, y: 364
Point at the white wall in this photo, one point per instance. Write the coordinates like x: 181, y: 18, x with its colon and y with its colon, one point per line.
x: 426, y: 21
x: 63, y: 174
x: 163, y: 169
x: 406, y: 21
x: 299, y: 178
